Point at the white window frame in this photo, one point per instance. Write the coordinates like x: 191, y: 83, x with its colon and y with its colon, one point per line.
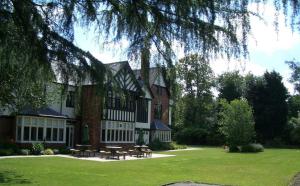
x: 117, y: 127
x: 20, y: 122
x: 163, y: 136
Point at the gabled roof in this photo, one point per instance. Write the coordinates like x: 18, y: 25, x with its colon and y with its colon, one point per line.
x: 124, y: 76
x: 154, y: 73
x: 45, y: 112
x: 159, y: 125
x: 116, y: 66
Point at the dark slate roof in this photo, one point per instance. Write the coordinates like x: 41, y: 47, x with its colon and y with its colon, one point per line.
x: 48, y: 112
x: 158, y: 125
x: 116, y: 66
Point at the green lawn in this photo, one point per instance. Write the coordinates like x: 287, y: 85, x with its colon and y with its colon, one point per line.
x: 210, y: 165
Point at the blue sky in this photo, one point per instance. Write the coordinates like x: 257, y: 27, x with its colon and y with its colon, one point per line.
x: 268, y: 49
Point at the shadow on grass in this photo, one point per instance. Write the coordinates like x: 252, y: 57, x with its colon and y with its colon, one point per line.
x: 10, y: 177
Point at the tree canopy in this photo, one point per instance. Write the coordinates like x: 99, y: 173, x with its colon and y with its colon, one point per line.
x: 268, y: 96
x: 37, y: 33
x: 230, y: 85
x: 237, y: 123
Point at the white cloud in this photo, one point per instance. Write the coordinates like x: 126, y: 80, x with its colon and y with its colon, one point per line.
x: 265, y: 38
x: 220, y: 66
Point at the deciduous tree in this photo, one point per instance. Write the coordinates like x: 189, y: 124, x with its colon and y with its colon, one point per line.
x: 237, y: 123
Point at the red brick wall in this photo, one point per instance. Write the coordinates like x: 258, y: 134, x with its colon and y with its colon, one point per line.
x: 7, y: 129
x: 91, y: 114
x: 164, y: 99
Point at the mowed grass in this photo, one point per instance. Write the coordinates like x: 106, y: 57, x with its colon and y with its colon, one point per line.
x: 209, y: 165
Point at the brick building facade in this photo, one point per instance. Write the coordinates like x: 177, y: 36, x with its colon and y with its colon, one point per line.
x: 116, y: 118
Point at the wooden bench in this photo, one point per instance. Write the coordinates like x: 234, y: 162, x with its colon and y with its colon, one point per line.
x: 148, y: 152
x: 104, y: 154
x: 88, y: 152
x: 75, y: 152
x: 136, y: 153
x: 121, y: 153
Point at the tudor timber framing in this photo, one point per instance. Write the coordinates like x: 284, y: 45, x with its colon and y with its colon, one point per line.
x: 116, y: 108
x: 126, y: 79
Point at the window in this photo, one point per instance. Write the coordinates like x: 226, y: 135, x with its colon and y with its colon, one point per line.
x: 40, y: 134
x: 128, y: 135
x: 70, y: 102
x: 19, y: 131
x: 157, y: 111
x: 131, y: 135
x: 117, y: 135
x: 124, y: 135
x: 109, y: 100
x: 117, y: 132
x: 33, y: 133
x: 54, y: 137
x: 112, y: 135
x: 26, y: 133
x: 48, y: 134
x: 40, y: 129
x: 142, y: 110
x: 164, y: 136
x: 103, y: 135
x: 118, y: 103
x: 61, y: 134
x: 108, y: 135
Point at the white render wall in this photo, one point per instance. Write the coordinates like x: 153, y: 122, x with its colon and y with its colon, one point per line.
x: 59, y: 104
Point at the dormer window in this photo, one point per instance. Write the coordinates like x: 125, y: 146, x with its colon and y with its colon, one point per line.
x: 70, y: 102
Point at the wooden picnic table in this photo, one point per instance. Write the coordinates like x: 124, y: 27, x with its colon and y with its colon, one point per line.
x: 140, y: 150
x: 82, y: 148
x: 113, y: 150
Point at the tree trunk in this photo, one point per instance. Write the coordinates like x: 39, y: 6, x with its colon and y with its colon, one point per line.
x: 145, y: 64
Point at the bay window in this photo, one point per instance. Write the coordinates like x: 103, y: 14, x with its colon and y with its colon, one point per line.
x: 38, y: 129
x: 117, y: 132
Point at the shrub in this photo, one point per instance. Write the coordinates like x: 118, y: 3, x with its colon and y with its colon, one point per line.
x: 64, y: 151
x: 233, y: 149
x: 295, y: 130
x: 48, y: 152
x: 25, y: 152
x: 275, y: 143
x: 6, y: 152
x: 191, y: 135
x: 215, y: 139
x: 236, y: 123
x: 55, y: 151
x: 158, y: 145
x: 10, y: 146
x: 140, y: 140
x: 253, y: 147
x: 37, y: 148
x: 174, y: 146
